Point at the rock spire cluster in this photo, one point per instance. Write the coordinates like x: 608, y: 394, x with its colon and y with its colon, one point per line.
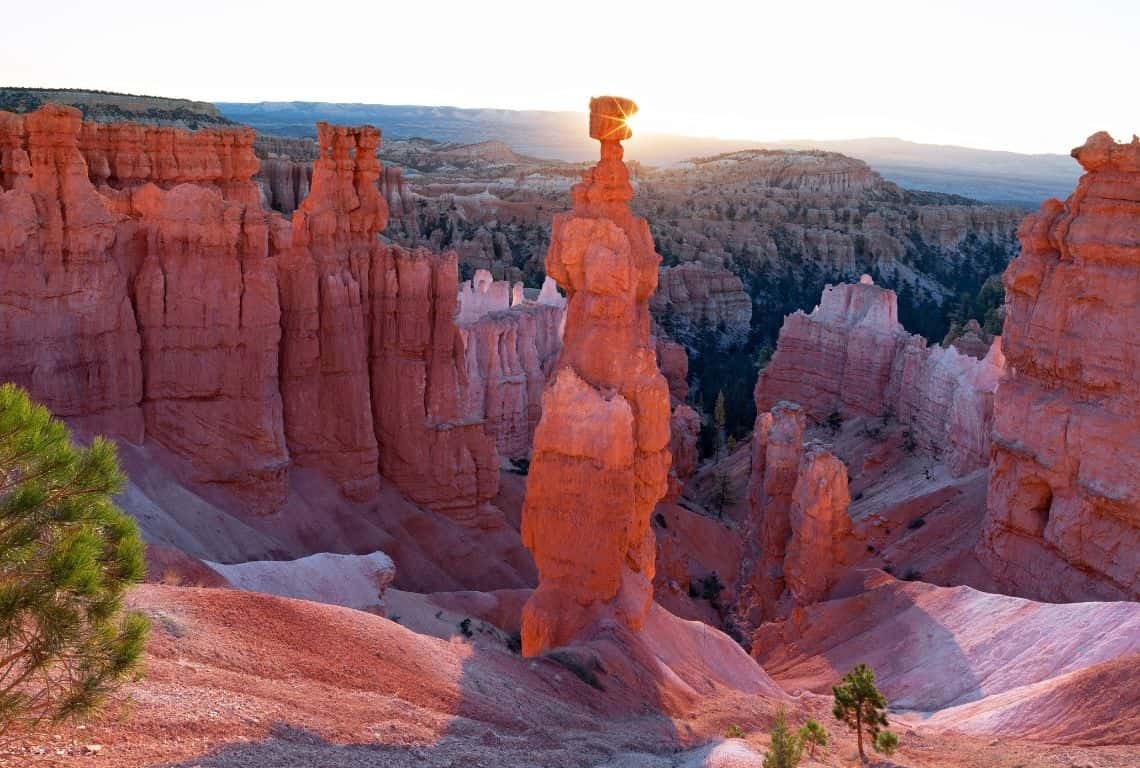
x: 146, y: 293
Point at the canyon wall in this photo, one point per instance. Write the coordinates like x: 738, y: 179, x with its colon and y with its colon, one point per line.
x: 511, y: 343
x: 693, y: 296
x: 146, y: 293
x: 601, y: 449
x: 1063, y: 513
x: 851, y: 356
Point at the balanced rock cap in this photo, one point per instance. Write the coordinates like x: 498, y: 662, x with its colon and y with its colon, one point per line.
x: 608, y: 115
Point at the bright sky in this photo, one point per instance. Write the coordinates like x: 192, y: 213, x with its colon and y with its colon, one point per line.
x: 1001, y: 74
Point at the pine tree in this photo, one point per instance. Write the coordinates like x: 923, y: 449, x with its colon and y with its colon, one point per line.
x: 813, y: 733
x: 786, y: 749
x: 859, y: 704
x: 886, y: 742
x: 67, y: 555
x: 720, y: 419
x: 722, y: 494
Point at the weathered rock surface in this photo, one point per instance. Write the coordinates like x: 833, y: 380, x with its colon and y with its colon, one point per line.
x: 989, y: 663
x: 434, y: 450
x: 973, y: 341
x: 693, y: 295
x: 601, y: 449
x: 821, y: 543
x: 325, y: 306
x: 482, y: 295
x: 284, y: 183
x: 160, y: 275
x: 69, y: 331
x: 146, y: 293
x: 509, y: 354
x: 852, y: 357
x: 286, y: 172
x: 354, y: 581
x: 1063, y: 519
x: 698, y: 557
x: 673, y: 361
x: 685, y: 429
x: 777, y: 447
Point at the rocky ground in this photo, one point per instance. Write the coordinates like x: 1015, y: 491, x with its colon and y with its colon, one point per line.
x: 251, y: 681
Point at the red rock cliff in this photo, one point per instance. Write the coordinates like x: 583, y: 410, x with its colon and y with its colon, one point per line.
x: 145, y: 292
x: 601, y: 449
x: 138, y: 286
x: 852, y: 356
x: 1063, y: 513
x: 695, y: 295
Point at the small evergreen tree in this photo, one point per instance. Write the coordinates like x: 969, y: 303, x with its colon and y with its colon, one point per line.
x: 813, y: 733
x: 859, y: 704
x: 722, y: 493
x: 786, y: 749
x: 886, y: 742
x: 720, y: 419
x: 763, y: 356
x: 67, y: 555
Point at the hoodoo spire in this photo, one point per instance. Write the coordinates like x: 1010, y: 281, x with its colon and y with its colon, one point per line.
x: 601, y: 450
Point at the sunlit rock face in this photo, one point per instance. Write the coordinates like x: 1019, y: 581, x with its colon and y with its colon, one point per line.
x: 852, y: 357
x: 1063, y: 517
x: 145, y: 292
x: 511, y: 343
x: 601, y: 449
x: 138, y: 295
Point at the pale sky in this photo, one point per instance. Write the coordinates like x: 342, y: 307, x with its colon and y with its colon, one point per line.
x: 1024, y: 76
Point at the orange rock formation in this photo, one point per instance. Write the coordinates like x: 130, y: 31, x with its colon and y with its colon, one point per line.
x: 799, y: 535
x: 146, y: 293
x: 1063, y: 519
x: 777, y: 446
x: 601, y: 449
x: 852, y: 356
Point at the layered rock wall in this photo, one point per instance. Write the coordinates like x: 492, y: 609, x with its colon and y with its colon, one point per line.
x: 326, y: 302
x: 145, y: 292
x: 852, y: 357
x: 601, y: 449
x: 509, y: 355
x: 692, y: 296
x: 821, y: 543
x: 1063, y: 513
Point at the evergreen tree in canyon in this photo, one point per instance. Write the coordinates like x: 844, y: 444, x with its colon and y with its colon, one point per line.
x: 860, y: 705
x: 67, y: 555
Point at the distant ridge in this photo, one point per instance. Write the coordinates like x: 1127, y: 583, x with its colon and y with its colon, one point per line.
x: 107, y: 106
x: 1007, y: 178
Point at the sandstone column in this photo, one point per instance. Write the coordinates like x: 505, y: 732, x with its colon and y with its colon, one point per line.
x: 601, y: 449
x: 1063, y: 514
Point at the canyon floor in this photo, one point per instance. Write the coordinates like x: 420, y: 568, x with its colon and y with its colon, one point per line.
x: 241, y: 679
